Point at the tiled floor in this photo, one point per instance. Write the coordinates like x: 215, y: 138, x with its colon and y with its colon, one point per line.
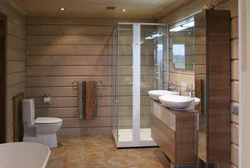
x: 100, y: 152
x: 202, y: 145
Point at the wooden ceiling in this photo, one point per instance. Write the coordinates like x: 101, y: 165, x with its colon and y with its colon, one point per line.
x: 94, y: 8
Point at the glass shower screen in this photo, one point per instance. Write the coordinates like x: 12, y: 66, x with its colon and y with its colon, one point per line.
x: 137, y: 67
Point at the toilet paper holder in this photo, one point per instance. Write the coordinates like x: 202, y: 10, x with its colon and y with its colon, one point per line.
x: 46, y: 98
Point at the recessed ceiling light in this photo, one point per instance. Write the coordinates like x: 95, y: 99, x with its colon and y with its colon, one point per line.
x: 124, y: 10
x: 62, y: 9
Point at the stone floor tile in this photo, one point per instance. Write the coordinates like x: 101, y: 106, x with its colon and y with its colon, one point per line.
x: 101, y: 152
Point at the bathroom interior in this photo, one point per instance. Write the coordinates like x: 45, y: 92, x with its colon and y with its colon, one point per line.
x: 119, y: 84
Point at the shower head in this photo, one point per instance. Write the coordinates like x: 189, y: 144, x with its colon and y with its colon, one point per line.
x: 154, y: 36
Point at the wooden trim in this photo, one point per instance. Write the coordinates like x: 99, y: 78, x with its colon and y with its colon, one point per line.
x: 3, y: 98
x: 172, y: 8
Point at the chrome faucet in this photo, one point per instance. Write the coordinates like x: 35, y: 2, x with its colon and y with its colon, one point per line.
x: 189, y: 91
x: 171, y: 87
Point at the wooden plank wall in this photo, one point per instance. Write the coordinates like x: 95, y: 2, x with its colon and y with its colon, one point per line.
x: 244, y: 61
x: 15, y: 59
x: 231, y: 5
x: 61, y: 51
x: 200, y: 46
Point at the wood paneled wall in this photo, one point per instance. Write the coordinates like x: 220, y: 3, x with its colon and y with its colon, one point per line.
x: 231, y: 5
x: 15, y: 59
x: 61, y: 51
x: 244, y: 71
x: 200, y: 46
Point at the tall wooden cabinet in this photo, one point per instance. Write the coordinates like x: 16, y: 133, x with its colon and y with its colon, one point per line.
x: 217, y: 87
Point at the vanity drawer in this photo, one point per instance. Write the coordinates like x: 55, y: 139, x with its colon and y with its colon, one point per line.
x: 176, y: 137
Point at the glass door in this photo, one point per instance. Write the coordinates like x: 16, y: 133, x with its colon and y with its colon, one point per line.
x: 151, y: 65
x: 147, y: 63
x: 125, y: 83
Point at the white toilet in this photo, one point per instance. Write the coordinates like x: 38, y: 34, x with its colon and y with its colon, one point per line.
x: 41, y: 130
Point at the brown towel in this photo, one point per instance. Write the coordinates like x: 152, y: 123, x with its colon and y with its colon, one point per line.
x: 91, y: 99
x: 199, y: 92
x: 87, y: 99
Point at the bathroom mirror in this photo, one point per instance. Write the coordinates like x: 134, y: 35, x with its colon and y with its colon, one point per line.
x: 200, y: 80
x: 211, y: 32
x: 181, y: 36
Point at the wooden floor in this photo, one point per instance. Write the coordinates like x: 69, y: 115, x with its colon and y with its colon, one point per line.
x: 100, y: 152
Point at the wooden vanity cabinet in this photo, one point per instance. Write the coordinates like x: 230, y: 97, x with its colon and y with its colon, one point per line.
x: 175, y: 132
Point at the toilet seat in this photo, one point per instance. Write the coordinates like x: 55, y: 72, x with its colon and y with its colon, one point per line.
x: 47, y: 120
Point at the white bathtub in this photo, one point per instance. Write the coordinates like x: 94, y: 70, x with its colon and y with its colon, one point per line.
x: 23, y: 155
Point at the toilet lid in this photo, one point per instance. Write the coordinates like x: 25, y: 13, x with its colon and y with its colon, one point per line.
x: 47, y: 120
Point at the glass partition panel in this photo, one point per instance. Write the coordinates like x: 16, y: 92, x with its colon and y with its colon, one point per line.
x: 151, y: 73
x: 125, y: 83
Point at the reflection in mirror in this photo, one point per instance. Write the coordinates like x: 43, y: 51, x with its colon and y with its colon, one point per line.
x: 181, y: 37
x: 179, y: 56
x: 200, y: 79
x: 207, y: 44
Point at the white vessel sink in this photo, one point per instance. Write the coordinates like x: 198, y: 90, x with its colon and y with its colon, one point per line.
x: 179, y: 103
x: 174, y: 101
x: 196, y: 101
x: 155, y: 94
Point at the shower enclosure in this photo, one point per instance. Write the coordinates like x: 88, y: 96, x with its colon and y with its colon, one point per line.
x: 138, y: 53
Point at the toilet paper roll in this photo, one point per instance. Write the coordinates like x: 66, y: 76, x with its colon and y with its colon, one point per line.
x: 46, y: 100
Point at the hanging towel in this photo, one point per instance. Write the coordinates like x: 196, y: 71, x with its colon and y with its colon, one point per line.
x: 87, y: 99
x: 199, y: 92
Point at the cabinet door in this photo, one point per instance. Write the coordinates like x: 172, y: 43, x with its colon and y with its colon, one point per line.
x: 218, y: 85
